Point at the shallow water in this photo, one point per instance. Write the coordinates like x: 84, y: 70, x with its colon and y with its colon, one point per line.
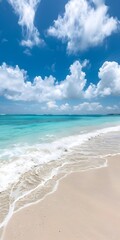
x: 36, y: 151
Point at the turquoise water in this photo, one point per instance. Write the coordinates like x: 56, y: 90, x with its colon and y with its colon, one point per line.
x: 28, y: 140
x: 36, y: 151
x: 39, y: 129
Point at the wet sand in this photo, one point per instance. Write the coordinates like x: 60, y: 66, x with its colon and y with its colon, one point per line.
x: 86, y: 206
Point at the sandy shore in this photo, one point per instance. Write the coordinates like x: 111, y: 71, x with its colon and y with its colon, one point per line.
x: 86, y: 206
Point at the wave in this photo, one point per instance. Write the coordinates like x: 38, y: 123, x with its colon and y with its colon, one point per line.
x: 22, y: 158
x: 29, y: 173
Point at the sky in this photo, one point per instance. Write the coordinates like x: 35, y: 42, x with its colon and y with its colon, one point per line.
x: 59, y: 57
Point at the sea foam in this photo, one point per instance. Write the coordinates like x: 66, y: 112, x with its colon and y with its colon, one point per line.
x: 22, y: 158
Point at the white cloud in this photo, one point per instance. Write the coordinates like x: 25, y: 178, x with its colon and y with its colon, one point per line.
x: 109, y: 84
x: 53, y: 97
x: 84, y: 24
x: 112, y: 108
x: 88, y: 107
x: 65, y: 107
x: 11, y: 79
x: 73, y: 85
x: 86, y: 63
x: 109, y: 74
x: 27, y: 52
x: 25, y: 10
x: 84, y: 107
x: 52, y: 105
x: 15, y: 86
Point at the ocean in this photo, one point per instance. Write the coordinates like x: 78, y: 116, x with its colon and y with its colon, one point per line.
x: 37, y: 151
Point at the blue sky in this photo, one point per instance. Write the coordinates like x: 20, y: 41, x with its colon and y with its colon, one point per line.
x: 59, y: 57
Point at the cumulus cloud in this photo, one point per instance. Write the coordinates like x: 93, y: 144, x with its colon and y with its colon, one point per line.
x: 61, y: 108
x: 11, y: 79
x: 25, y: 10
x: 57, y: 97
x: 109, y: 84
x: 81, y: 108
x: 89, y: 107
x: 14, y: 85
x: 52, y: 105
x: 84, y: 24
x: 74, y: 83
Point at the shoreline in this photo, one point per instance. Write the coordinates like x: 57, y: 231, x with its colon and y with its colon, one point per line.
x: 54, y: 190
x: 87, y: 137
x: 63, y: 144
x: 16, y: 229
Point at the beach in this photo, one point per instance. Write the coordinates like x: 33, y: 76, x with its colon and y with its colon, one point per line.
x: 59, y: 120
x: 85, y: 206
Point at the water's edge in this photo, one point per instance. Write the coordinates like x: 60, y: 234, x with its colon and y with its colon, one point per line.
x: 34, y: 175
x: 56, y: 188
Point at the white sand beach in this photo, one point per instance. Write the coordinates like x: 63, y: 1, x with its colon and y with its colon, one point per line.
x: 85, y: 206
